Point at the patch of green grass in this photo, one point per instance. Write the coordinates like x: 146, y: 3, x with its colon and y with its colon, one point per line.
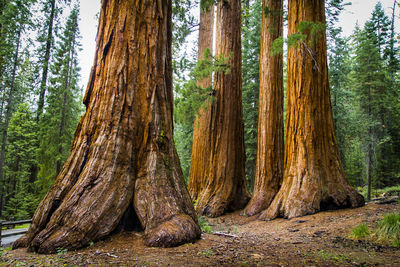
x: 205, y: 227
x: 360, y: 231
x: 17, y: 226
x: 61, y: 251
x: 206, y: 253
x: 234, y: 230
x: 378, y: 192
x: 22, y: 226
x: 326, y: 255
x: 389, y: 228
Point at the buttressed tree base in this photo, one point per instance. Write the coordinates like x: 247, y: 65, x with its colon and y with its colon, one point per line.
x: 313, y: 177
x: 123, y: 169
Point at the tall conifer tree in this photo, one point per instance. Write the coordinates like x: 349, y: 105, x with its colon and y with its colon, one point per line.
x: 63, y: 104
x: 313, y: 178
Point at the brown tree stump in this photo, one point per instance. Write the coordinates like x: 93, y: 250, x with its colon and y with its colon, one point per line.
x: 123, y: 153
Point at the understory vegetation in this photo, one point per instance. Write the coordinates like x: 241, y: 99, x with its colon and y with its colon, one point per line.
x: 386, y: 230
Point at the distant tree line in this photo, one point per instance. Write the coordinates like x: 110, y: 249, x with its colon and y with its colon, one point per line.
x: 40, y: 98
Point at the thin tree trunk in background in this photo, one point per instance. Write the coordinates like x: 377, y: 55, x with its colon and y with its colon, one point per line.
x: 61, y: 132
x: 392, y: 41
x: 226, y: 186
x: 369, y: 166
x: 369, y: 150
x: 2, y: 90
x: 269, y: 161
x: 313, y: 177
x: 12, y: 185
x: 64, y: 106
x: 123, y: 156
x: 46, y: 59
x: 7, y: 120
x: 246, y: 4
x: 201, y: 135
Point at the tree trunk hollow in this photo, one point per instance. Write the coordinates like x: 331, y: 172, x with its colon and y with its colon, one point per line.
x: 313, y: 178
x: 123, y: 152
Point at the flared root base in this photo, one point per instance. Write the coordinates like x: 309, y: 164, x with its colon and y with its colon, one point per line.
x: 254, y: 207
x: 258, y: 203
x: 174, y: 232
x: 217, y: 207
x: 296, y: 207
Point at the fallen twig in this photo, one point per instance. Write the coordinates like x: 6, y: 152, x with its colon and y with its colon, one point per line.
x: 226, y: 235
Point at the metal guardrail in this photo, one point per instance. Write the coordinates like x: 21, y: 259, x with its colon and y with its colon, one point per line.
x: 10, y: 223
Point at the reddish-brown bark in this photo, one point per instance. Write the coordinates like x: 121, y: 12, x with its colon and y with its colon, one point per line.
x: 123, y: 153
x: 225, y: 188
x: 269, y: 161
x: 313, y: 177
x: 201, y: 134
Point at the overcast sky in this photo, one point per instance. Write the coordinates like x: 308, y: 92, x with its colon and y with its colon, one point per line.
x: 360, y: 11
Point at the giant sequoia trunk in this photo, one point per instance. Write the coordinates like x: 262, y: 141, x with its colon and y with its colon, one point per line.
x: 269, y: 161
x: 123, y: 154
x: 313, y: 178
x: 225, y: 188
x: 201, y: 134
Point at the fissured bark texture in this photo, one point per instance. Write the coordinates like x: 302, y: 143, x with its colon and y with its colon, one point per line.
x: 269, y: 161
x: 225, y: 188
x: 313, y: 178
x: 201, y: 133
x: 123, y: 152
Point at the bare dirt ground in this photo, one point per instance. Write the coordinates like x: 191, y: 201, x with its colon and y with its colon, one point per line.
x: 315, y: 240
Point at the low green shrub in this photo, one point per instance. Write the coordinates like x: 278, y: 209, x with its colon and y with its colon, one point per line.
x: 389, y: 228
x: 360, y: 231
x: 205, y: 227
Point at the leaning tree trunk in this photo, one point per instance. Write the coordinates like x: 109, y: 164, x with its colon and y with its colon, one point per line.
x: 313, y: 178
x: 225, y: 188
x: 269, y: 162
x: 123, y: 154
x: 201, y: 135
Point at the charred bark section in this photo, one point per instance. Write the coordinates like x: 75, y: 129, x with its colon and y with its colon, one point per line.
x: 123, y: 153
x: 313, y: 178
x: 269, y: 162
x: 225, y: 188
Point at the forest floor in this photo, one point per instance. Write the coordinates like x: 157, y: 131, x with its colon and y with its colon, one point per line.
x: 315, y: 240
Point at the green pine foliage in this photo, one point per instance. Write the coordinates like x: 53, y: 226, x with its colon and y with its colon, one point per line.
x: 63, y: 107
x: 21, y: 156
x: 16, y: 22
x: 206, y: 4
x: 343, y: 98
x: 376, y: 92
x: 250, y: 85
x: 190, y: 98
